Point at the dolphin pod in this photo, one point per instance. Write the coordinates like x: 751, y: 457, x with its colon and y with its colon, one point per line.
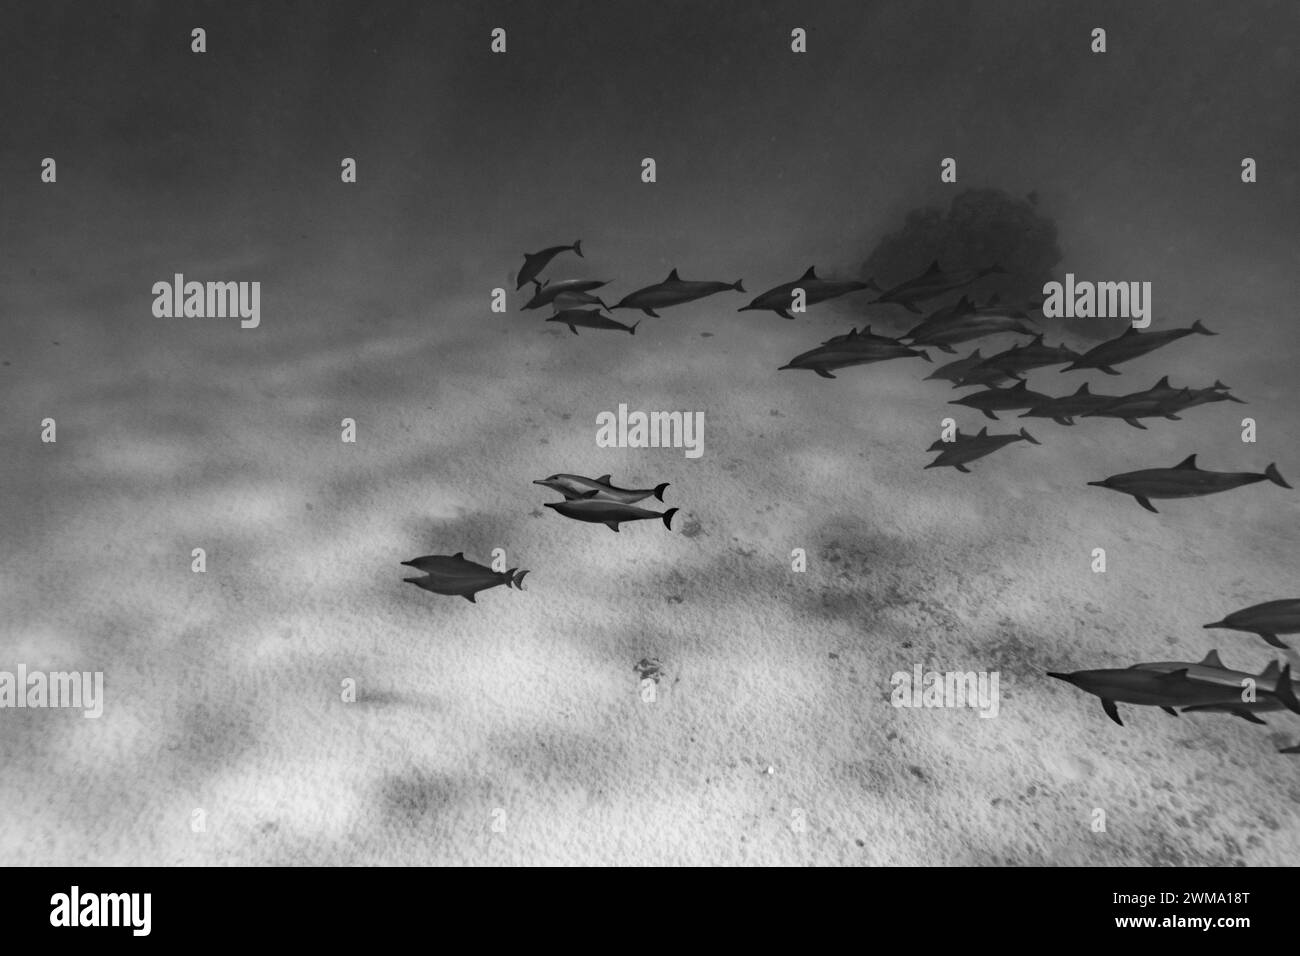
x: 1184, y: 480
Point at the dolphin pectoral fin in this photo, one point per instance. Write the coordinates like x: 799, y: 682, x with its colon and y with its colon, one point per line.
x: 1170, y: 711
x: 784, y: 314
x: 1109, y: 707
x: 1273, y: 640
x: 946, y: 348
x: 1247, y: 715
x: 822, y: 372
x: 651, y: 312
x: 1135, y: 423
x: 989, y: 414
x: 573, y: 329
x: 1146, y: 504
x: 1108, y: 370
x: 611, y: 525
x: 963, y: 469
x: 470, y: 598
x: 1173, y: 418
x: 587, y: 494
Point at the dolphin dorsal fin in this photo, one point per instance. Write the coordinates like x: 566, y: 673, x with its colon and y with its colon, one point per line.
x: 1188, y: 463
x: 1271, y: 671
x: 1020, y: 386
x: 934, y: 267
x: 459, y: 554
x: 1212, y: 659
x: 1163, y: 383
x: 604, y: 479
x: 810, y: 274
x: 673, y: 277
x: 983, y: 431
x: 1083, y: 390
x: 976, y: 354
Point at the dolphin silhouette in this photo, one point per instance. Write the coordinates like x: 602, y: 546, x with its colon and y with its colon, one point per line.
x: 824, y: 358
x: 1064, y: 409
x: 535, y: 262
x: 547, y: 292
x: 1002, y: 399
x: 608, y: 513
x: 576, y: 487
x: 673, y: 291
x: 1184, y: 480
x: 1130, y: 345
x: 1271, y: 693
x: 779, y: 298
x: 454, y: 574
x: 970, y: 447
x: 1031, y: 355
x: 933, y: 282
x: 589, y: 319
x: 1268, y: 620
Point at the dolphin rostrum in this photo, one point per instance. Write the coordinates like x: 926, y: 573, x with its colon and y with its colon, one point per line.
x: 779, y: 298
x: 1130, y: 345
x: 453, y: 574
x: 673, y: 291
x: 1268, y: 620
x: 1184, y: 480
x: 589, y: 319
x: 967, y: 448
x: 576, y: 486
x: 535, y: 262
x: 608, y: 513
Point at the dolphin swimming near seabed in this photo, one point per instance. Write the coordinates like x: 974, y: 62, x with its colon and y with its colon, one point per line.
x: 826, y: 358
x: 933, y: 282
x: 1031, y: 355
x: 1184, y: 480
x: 576, y: 487
x: 1130, y: 345
x: 1268, y: 620
x: 779, y: 298
x: 1064, y: 409
x: 454, y: 574
x: 673, y: 291
x: 535, y: 262
x: 1148, y: 404
x: 1002, y: 399
x: 608, y: 513
x: 548, y: 291
x: 1269, y: 691
x: 970, y: 447
x: 589, y: 319
x: 965, y: 328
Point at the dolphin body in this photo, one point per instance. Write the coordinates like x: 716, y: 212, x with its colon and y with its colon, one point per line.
x: 578, y: 290
x: 970, y: 447
x: 1179, y: 399
x: 577, y: 487
x: 673, y: 291
x: 967, y: 371
x: 864, y: 338
x: 1268, y: 620
x: 1002, y: 399
x: 453, y: 574
x: 954, y: 371
x: 1130, y: 345
x: 1184, y: 480
x: 1031, y: 355
x: 933, y: 282
x: 779, y: 298
x: 608, y: 513
x: 1064, y: 409
x: 965, y: 328
x: 1148, y: 404
x: 535, y: 262
x: 839, y: 355
x: 589, y: 319
x: 1270, y: 692
x: 1169, y: 684
x: 987, y: 376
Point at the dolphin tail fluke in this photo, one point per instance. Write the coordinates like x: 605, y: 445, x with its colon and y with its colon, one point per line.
x: 659, y: 490
x: 1275, y: 476
x: 668, y: 518
x: 517, y: 579
x: 1285, y: 693
x: 738, y: 287
x: 577, y: 247
x: 1197, y: 327
x: 1029, y: 438
x: 632, y: 330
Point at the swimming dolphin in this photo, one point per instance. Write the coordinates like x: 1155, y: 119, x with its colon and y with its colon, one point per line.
x: 967, y: 327
x: 453, y: 574
x: 577, y: 487
x: 589, y: 319
x: 970, y: 447
x: 1002, y: 399
x: 1271, y: 693
x: 1184, y: 480
x: 1179, y: 399
x: 1148, y: 404
x: 673, y: 291
x: 1130, y: 345
x: 1063, y: 410
x: 575, y: 288
x: 987, y: 376
x: 608, y: 513
x: 1031, y: 355
x: 953, y: 371
x: 779, y: 298
x: 934, y: 281
x: 1268, y: 620
x: 1165, y: 688
x: 535, y: 262
x: 864, y: 338
x: 839, y: 355
x: 940, y: 445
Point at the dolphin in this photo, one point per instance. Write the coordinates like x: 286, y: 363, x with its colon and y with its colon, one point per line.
x: 589, y: 319
x: 535, y: 262
x: 673, y: 291
x: 839, y: 355
x: 1064, y: 409
x: 453, y: 574
x: 1148, y: 404
x: 1271, y: 693
x: 969, y: 447
x: 608, y: 513
x: 955, y: 370
x: 1180, y: 399
x: 967, y: 327
x: 576, y: 486
x: 1031, y: 355
x: 1002, y: 399
x: 1268, y: 620
x: 1130, y: 345
x: 1169, y: 687
x: 1184, y: 480
x: 933, y: 282
x: 547, y: 292
x: 987, y: 376
x: 779, y: 298
x: 864, y: 338
x: 940, y: 445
